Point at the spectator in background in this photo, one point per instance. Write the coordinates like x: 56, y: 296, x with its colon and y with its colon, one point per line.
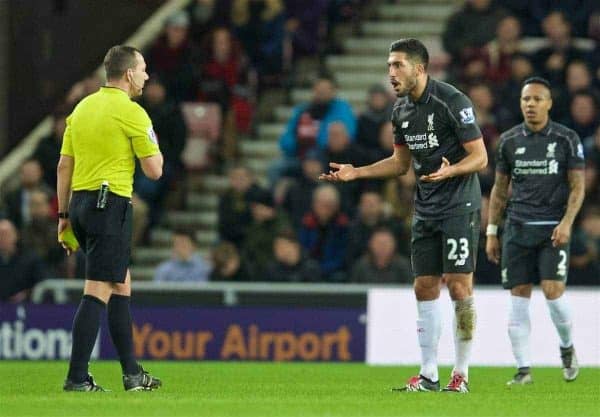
x: 577, y: 78
x: 552, y: 60
x: 583, y: 117
x: 509, y: 100
x: 298, y: 196
x: 486, y: 272
x: 173, y: 58
x: 224, y: 79
x: 371, y: 217
x: 308, y: 127
x: 470, y: 28
x: 82, y: 89
x: 324, y: 233
x: 47, y: 152
x: 398, y: 194
x: 185, y: 265
x: 267, y: 222
x: 592, y: 148
x: 17, y: 201
x: 171, y: 131
x: 234, y: 207
x: 259, y: 24
x: 341, y: 148
x: 584, y: 268
x: 483, y: 104
x: 499, y: 52
x: 206, y: 15
x: 20, y: 268
x: 39, y: 235
x: 377, y: 113
x: 381, y: 264
x: 304, y: 25
x: 290, y: 264
x: 227, y: 265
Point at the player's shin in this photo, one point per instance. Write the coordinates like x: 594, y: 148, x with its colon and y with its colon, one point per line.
x: 561, y: 317
x: 464, y: 328
x: 519, y: 327
x: 429, y: 326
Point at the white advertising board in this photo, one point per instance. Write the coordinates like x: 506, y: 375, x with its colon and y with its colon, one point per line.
x: 392, y: 336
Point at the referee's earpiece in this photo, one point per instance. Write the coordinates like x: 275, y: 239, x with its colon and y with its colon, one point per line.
x: 130, y: 77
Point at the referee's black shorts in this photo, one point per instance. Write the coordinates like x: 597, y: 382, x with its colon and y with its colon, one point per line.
x: 104, y: 235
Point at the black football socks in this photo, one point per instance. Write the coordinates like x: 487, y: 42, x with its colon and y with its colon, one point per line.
x: 85, y: 331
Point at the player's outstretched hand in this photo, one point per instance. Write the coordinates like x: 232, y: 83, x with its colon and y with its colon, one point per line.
x: 492, y: 249
x: 444, y: 172
x: 561, y: 234
x: 339, y: 172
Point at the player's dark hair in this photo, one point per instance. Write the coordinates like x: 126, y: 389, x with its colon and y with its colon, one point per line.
x: 413, y: 48
x: 119, y: 59
x: 537, y: 80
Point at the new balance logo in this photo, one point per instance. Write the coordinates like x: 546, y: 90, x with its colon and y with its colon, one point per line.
x: 520, y: 151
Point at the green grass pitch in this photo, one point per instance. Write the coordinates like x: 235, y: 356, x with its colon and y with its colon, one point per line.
x: 290, y: 389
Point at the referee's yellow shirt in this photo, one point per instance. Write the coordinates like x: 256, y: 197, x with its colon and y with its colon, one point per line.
x: 103, y: 134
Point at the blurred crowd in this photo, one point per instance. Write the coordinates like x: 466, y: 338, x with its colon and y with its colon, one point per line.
x: 291, y: 227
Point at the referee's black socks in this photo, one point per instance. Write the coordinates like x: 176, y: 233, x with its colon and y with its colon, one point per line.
x: 120, y: 325
x: 85, y: 331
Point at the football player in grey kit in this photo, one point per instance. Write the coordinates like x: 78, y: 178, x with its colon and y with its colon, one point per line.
x: 544, y: 162
x: 434, y: 125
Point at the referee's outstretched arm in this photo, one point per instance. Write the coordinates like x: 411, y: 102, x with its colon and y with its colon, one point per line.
x: 152, y: 166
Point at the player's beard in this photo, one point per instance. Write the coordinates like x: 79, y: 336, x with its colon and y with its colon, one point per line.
x: 410, y: 84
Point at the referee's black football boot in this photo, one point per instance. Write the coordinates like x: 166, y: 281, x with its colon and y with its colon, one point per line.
x: 570, y: 364
x: 141, y: 381
x: 89, y: 385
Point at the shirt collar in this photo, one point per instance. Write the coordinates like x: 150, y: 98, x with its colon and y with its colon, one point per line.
x: 545, y: 131
x: 112, y: 90
x: 426, y: 93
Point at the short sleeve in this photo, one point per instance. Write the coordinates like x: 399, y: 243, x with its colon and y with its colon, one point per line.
x: 575, y: 157
x: 67, y: 144
x: 398, y: 136
x: 463, y: 118
x: 502, y: 162
x: 138, y: 127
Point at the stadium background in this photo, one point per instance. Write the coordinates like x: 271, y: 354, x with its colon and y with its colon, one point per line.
x: 226, y: 77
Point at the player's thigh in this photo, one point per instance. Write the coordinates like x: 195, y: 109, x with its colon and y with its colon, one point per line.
x: 99, y: 289
x: 123, y: 288
x: 518, y: 260
x: 426, y: 248
x: 109, y: 252
x: 460, y: 240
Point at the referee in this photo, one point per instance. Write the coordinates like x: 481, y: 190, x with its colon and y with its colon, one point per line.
x: 104, y: 134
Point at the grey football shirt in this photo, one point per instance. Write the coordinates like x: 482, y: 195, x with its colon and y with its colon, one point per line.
x: 436, y: 126
x: 538, y: 165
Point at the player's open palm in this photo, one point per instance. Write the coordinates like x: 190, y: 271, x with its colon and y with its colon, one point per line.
x: 340, y: 172
x: 492, y: 249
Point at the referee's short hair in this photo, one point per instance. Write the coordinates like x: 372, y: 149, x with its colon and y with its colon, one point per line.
x: 119, y: 59
x: 413, y: 48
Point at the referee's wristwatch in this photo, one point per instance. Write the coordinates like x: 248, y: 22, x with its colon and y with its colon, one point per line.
x: 63, y: 214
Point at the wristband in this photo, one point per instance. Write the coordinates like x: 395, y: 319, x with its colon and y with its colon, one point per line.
x: 63, y: 214
x: 492, y: 230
